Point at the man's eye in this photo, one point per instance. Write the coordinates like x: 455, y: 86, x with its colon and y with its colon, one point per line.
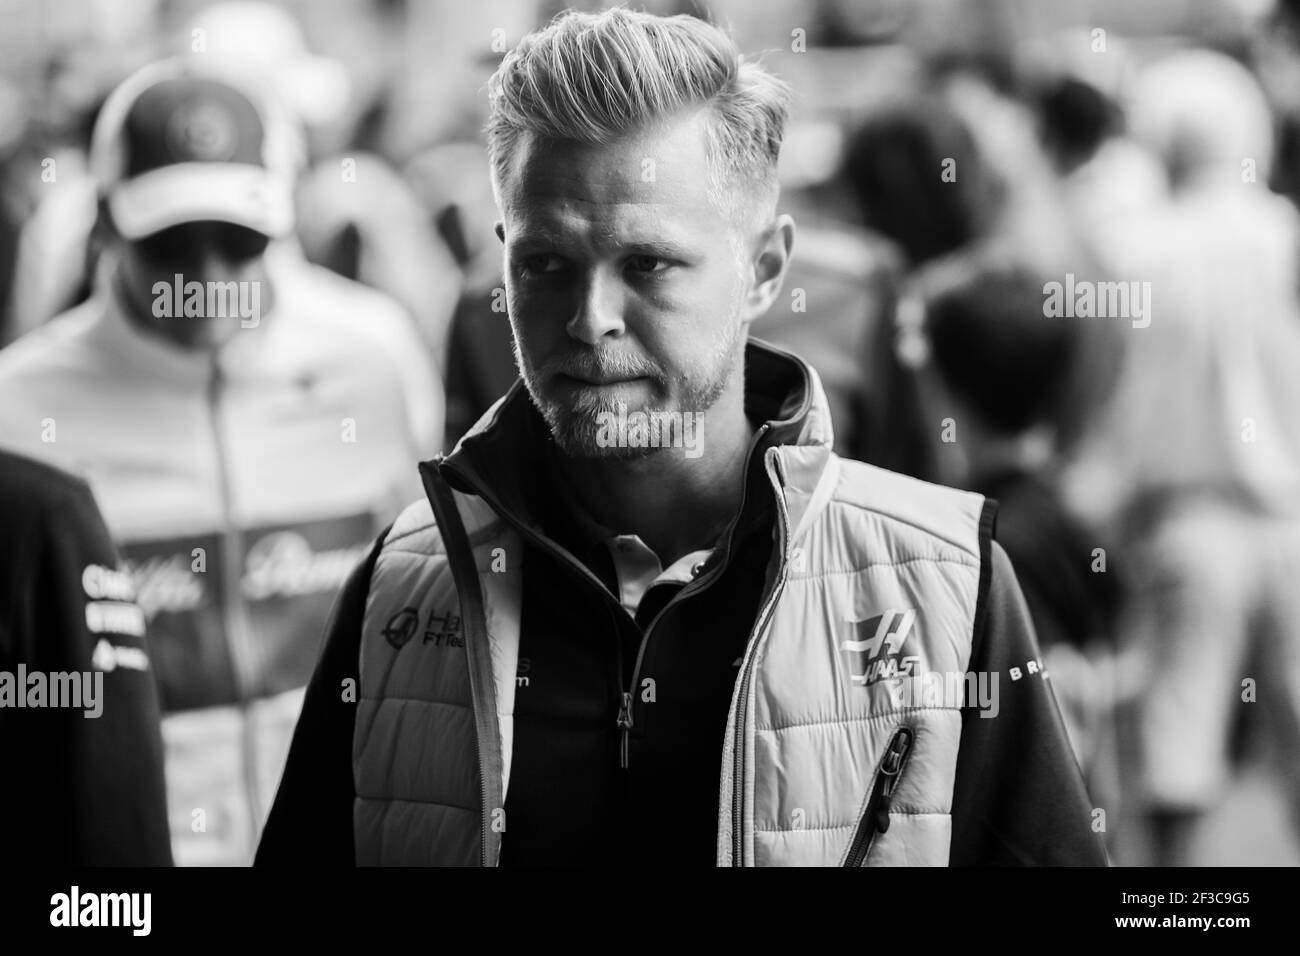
x: 542, y: 265
x: 647, y: 265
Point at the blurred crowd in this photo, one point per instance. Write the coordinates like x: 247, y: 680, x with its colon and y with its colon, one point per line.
x: 1046, y: 251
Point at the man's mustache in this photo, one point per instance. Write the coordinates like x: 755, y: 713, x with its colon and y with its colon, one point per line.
x: 599, y: 366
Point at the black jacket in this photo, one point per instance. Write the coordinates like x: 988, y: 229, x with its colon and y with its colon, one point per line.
x: 85, y: 790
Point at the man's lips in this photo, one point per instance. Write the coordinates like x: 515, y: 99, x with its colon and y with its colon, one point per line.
x: 600, y: 380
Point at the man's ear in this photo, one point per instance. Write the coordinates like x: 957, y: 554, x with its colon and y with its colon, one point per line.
x: 770, y: 262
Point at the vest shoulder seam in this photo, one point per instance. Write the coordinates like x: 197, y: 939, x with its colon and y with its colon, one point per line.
x: 930, y: 532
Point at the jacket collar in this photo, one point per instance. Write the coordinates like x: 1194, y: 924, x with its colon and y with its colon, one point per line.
x: 501, y: 455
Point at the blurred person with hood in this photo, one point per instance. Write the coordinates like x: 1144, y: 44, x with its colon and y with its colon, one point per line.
x: 246, y: 427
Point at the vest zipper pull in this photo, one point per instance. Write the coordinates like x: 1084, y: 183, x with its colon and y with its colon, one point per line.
x: 889, y: 772
x: 625, y: 725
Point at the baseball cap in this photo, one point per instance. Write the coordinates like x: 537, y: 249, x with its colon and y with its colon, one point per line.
x: 175, y: 143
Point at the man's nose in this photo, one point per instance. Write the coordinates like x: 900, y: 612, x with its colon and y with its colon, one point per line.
x: 600, y: 309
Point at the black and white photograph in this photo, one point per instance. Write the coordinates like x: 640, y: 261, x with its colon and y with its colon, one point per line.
x: 647, y: 438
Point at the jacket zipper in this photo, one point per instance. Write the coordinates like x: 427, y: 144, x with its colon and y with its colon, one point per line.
x: 876, y: 818
x: 738, y: 747
x: 625, y: 719
x: 625, y: 714
x: 233, y: 611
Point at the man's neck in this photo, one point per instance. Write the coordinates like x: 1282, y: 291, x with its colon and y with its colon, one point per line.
x: 674, y: 504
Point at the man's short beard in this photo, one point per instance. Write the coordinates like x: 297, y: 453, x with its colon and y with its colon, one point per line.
x: 575, y: 429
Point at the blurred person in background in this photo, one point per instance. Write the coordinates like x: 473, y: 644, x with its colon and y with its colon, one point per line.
x: 246, y: 427
x: 986, y: 358
x: 924, y: 180
x: 17, y: 196
x: 1106, y: 179
x: 1275, y: 57
x: 84, y: 785
x: 354, y: 214
x: 841, y: 284
x: 1195, y: 464
x: 63, y: 58
x: 894, y: 163
x: 359, y: 219
x: 454, y: 187
x: 50, y: 200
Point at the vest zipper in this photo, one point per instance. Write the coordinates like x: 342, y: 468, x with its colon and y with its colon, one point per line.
x: 484, y: 837
x: 625, y: 716
x: 447, y: 514
x: 746, y: 669
x: 876, y: 818
x: 738, y: 750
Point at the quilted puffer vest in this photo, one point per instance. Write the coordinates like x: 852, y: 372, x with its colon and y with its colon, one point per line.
x: 845, y: 718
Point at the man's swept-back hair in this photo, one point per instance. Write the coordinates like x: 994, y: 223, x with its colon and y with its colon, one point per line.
x: 590, y: 77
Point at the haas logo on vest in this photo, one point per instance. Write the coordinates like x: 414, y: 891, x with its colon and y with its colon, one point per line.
x: 441, y: 630
x: 401, y: 627
x: 886, y: 631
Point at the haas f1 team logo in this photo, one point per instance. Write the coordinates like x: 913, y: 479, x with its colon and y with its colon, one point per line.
x: 885, y: 632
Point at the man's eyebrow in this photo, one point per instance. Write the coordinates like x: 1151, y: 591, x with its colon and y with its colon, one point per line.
x: 546, y: 238
x: 536, y: 236
x: 662, y: 248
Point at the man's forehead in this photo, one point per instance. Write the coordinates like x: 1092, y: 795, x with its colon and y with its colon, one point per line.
x: 661, y: 169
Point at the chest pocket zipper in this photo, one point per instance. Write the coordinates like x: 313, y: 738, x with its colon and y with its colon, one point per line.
x: 888, y: 774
